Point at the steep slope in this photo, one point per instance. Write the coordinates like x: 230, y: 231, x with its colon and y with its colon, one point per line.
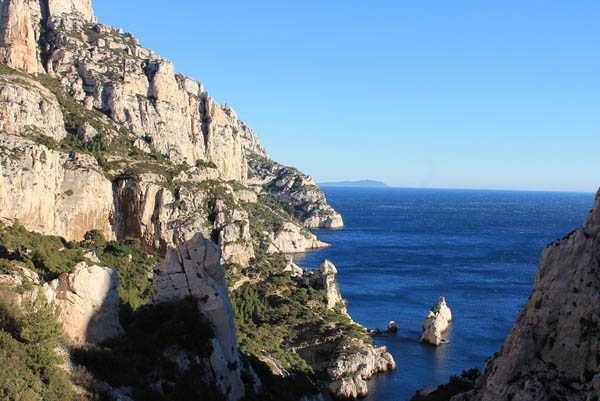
x: 101, y: 141
x: 553, y: 350
x: 110, y: 98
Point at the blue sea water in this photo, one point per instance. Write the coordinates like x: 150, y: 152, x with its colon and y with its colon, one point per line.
x: 401, y: 249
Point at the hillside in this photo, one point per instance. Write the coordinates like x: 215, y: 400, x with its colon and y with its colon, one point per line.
x: 158, y: 225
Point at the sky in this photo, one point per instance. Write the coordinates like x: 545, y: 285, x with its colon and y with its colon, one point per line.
x: 443, y: 94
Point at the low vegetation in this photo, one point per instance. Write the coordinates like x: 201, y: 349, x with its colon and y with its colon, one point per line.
x: 145, y: 360
x: 29, y: 365
x: 51, y: 256
x: 456, y: 385
x: 275, y: 314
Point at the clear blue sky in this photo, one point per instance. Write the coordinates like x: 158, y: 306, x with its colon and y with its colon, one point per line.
x: 453, y: 94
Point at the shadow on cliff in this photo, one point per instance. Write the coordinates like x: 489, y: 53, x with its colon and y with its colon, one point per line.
x: 279, y: 388
x: 162, y: 355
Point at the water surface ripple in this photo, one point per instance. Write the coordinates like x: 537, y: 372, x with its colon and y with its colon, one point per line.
x: 402, y: 248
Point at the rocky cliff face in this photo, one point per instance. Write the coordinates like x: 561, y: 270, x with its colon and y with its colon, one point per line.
x: 291, y: 187
x: 99, y: 133
x: 553, y: 350
x: 53, y: 192
x: 159, y: 123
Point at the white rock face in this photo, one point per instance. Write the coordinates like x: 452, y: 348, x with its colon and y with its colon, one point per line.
x: 292, y: 239
x: 51, y: 193
x: 72, y: 8
x: 27, y: 108
x: 443, y: 309
x: 328, y: 272
x: 88, y: 302
x: 194, y: 269
x: 19, y: 33
x: 552, y: 350
x: 356, y: 361
x: 290, y: 186
x: 436, y: 322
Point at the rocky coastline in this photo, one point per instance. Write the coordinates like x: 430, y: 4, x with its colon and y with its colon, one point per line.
x: 132, y: 194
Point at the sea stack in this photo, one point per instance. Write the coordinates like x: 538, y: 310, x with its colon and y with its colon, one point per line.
x: 436, y: 322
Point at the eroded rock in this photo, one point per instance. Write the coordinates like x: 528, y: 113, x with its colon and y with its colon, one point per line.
x: 194, y: 269
x: 355, y: 362
x: 51, y: 192
x: 551, y: 351
x: 88, y: 302
x: 436, y: 323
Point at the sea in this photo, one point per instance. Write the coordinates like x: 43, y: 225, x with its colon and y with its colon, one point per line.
x: 402, y: 248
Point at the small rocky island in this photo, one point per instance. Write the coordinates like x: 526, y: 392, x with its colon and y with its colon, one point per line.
x: 436, y: 322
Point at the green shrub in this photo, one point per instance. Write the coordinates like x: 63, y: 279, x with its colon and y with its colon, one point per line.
x: 28, y: 363
x: 47, y: 255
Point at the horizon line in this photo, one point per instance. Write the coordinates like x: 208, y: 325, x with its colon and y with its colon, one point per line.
x: 456, y: 189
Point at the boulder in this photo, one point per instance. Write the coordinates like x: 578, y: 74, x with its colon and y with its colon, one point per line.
x: 296, y: 270
x: 88, y: 302
x: 392, y: 327
x: 86, y: 132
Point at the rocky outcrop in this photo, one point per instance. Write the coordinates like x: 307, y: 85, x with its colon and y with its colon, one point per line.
x: 19, y: 35
x: 552, y: 352
x: 291, y: 238
x: 436, y: 322
x: 20, y: 276
x: 88, y: 302
x: 293, y: 268
x: 355, y: 362
x: 328, y: 272
x: 194, y: 269
x: 87, y: 299
x: 28, y: 108
x: 290, y: 186
x: 80, y: 9
x: 51, y: 192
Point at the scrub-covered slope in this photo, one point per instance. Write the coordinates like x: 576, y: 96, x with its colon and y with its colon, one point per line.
x: 111, y: 164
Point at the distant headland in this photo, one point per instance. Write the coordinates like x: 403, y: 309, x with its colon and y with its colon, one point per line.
x: 355, y: 184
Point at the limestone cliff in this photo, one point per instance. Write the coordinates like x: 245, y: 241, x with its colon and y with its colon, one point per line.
x: 53, y: 192
x: 158, y: 122
x: 552, y: 352
x: 99, y: 133
x: 290, y: 186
